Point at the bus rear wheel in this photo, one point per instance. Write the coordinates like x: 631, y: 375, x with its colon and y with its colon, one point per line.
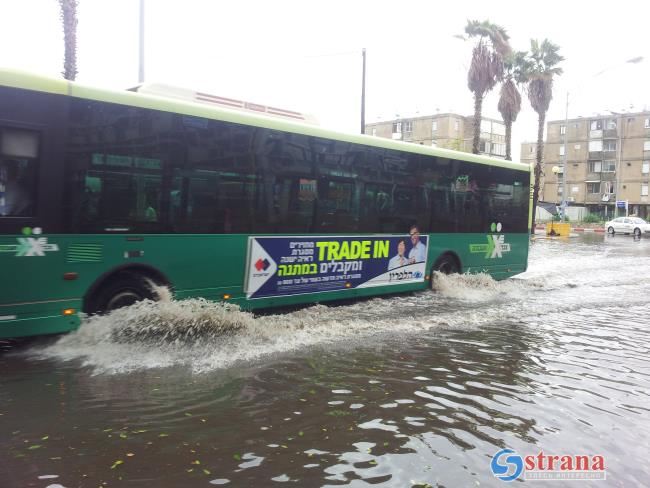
x: 123, y: 290
x: 445, y: 264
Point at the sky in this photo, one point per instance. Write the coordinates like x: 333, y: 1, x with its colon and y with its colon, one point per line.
x: 306, y: 55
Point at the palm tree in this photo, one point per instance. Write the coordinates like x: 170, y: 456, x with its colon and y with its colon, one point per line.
x: 486, y: 68
x: 543, y: 66
x: 515, y: 68
x: 69, y: 20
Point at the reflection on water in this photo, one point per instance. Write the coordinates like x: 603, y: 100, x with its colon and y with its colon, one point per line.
x: 405, y: 391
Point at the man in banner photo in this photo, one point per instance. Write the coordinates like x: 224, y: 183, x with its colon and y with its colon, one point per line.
x: 400, y: 258
x: 418, y: 253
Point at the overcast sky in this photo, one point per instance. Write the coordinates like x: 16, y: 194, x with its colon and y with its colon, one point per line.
x: 306, y: 55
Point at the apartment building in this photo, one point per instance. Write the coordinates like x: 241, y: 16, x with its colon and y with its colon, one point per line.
x: 607, y: 160
x: 448, y: 130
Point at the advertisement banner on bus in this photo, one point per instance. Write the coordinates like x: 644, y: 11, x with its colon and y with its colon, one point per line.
x: 283, y: 266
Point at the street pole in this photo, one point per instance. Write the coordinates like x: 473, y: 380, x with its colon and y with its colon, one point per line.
x: 141, y: 62
x: 363, y: 93
x: 565, y: 203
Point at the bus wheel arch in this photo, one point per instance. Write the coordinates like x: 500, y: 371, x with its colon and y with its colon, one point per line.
x: 122, y: 286
x: 447, y: 263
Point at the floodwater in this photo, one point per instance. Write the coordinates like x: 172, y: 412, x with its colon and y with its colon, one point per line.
x: 410, y: 390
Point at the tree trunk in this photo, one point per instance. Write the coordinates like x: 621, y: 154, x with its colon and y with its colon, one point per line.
x: 508, y: 139
x: 69, y: 19
x: 538, y: 164
x: 478, y: 103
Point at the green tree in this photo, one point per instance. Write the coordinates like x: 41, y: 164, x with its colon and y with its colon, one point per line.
x: 69, y: 20
x: 515, y: 70
x: 486, y: 68
x: 543, y: 61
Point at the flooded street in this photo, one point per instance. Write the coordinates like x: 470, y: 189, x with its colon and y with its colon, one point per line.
x: 404, y: 391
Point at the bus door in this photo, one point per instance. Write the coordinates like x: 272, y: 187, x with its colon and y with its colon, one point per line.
x: 31, y: 166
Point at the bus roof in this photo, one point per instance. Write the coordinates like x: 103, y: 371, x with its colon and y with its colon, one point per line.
x: 30, y: 81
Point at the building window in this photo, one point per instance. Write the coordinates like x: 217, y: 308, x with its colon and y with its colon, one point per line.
x: 611, y: 124
x: 644, y: 189
x: 560, y: 189
x: 562, y: 151
x: 596, y: 125
x: 397, y: 127
x: 407, y: 128
x: 456, y: 125
x: 374, y: 131
x: 563, y: 129
x: 595, y: 146
x: 609, y: 166
x: 593, y: 188
x: 484, y: 147
x: 647, y: 123
x: 610, y: 145
x: 499, y: 149
x: 434, y: 126
x: 594, y: 166
x: 531, y: 149
x: 645, y: 167
x: 646, y: 145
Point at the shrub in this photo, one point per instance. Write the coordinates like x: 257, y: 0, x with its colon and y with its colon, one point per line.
x: 558, y: 218
x: 592, y: 218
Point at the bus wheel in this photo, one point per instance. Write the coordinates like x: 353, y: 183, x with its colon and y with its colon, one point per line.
x: 123, y: 290
x: 446, y: 264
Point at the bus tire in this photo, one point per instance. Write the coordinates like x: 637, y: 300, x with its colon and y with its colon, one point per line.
x: 122, y: 290
x: 446, y: 264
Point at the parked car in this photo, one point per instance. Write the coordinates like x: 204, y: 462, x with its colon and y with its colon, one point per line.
x: 628, y: 225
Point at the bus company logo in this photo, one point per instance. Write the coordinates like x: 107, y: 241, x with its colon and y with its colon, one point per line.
x: 29, y: 246
x: 496, y: 244
x: 262, y: 265
x: 507, y: 465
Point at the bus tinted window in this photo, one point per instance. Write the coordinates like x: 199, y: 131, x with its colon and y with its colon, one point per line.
x: 144, y: 170
x: 18, y: 168
x: 115, y: 167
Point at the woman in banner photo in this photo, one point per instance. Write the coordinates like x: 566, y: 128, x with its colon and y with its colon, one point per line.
x: 400, y: 259
x: 418, y: 253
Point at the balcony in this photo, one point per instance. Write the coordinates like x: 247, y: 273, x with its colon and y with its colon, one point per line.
x: 595, y: 134
x: 593, y: 198
x: 608, y: 176
x: 610, y: 134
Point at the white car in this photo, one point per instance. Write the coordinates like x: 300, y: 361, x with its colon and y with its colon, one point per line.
x: 628, y: 225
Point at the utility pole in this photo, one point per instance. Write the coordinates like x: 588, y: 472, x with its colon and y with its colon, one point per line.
x: 363, y: 92
x: 141, y: 63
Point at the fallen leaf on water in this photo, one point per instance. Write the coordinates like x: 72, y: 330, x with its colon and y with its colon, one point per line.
x: 163, y: 435
x: 237, y: 457
x: 196, y: 462
x: 44, y: 438
x: 34, y: 446
x: 206, y: 471
x: 117, y: 463
x: 130, y: 454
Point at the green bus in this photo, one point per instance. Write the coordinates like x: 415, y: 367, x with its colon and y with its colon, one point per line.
x: 104, y: 192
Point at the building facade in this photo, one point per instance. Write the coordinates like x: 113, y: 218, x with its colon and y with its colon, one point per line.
x: 450, y: 131
x: 607, y: 160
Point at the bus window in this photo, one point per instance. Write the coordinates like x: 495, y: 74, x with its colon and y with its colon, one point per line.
x: 338, y: 207
x: 18, y: 153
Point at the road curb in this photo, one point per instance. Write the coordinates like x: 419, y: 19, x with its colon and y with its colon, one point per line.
x: 599, y: 230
